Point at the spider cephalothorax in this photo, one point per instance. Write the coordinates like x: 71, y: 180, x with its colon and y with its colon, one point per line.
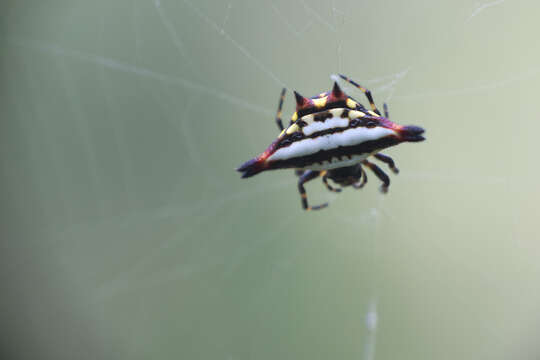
x: 332, y: 135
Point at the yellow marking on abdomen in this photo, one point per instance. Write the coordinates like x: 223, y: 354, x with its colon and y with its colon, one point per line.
x: 308, y: 119
x: 336, y: 112
x: 292, y: 129
x: 351, y: 103
x: 319, y: 103
x: 353, y: 114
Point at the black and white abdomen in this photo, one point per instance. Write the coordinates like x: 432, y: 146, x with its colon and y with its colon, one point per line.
x: 330, y: 140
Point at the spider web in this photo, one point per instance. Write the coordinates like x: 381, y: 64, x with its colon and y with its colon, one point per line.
x: 131, y: 116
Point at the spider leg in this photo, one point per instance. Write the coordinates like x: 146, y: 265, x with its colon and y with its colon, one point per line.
x: 388, y: 161
x: 325, y: 181
x: 279, y: 110
x: 364, y: 90
x: 385, y: 108
x: 360, y: 184
x: 307, y: 176
x: 380, y: 174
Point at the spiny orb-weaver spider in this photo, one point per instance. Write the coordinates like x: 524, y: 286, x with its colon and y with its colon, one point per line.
x: 332, y: 135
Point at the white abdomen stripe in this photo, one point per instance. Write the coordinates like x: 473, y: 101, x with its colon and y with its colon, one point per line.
x: 348, y: 137
x: 335, y: 122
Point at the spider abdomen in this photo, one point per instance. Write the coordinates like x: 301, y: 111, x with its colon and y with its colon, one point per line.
x: 327, y: 140
x: 341, y: 147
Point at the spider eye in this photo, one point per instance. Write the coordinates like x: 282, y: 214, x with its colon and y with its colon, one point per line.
x: 354, y: 122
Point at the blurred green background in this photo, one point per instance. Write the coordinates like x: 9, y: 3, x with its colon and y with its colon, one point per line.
x: 127, y: 234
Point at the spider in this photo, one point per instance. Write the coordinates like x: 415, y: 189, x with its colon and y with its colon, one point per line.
x: 332, y: 135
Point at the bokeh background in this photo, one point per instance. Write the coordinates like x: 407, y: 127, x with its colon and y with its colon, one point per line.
x: 127, y: 234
